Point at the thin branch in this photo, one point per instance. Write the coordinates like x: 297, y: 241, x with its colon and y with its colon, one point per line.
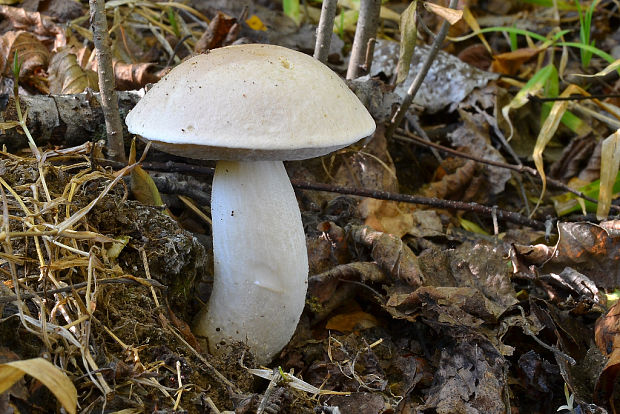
x: 417, y: 81
x: 366, y: 29
x: 518, y: 168
x: 504, y: 215
x: 105, y: 70
x: 325, y: 30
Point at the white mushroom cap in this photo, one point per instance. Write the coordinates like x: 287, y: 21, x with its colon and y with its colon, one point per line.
x: 251, y: 102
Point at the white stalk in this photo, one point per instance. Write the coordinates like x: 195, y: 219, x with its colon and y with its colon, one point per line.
x: 261, y: 263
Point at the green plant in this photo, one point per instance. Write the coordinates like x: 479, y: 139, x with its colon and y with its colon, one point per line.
x: 585, y: 25
x: 291, y: 9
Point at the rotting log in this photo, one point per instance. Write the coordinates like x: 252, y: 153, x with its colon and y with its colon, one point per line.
x: 64, y: 120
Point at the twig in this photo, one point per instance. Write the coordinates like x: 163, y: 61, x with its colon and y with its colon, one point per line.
x: 429, y: 201
x: 385, y: 195
x: 325, y: 30
x: 518, y: 168
x: 417, y: 81
x: 176, y: 50
x: 366, y: 28
x: 105, y: 70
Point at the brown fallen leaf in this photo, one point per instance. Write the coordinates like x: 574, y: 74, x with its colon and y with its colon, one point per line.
x: 452, y: 305
x: 588, y: 248
x: 607, y: 336
x: 60, y: 10
x: 387, y: 216
x: 132, y: 76
x: 67, y: 77
x: 42, y: 26
x: 356, y: 320
x: 215, y: 35
x: 453, y: 184
x: 391, y: 254
x: 509, y: 63
x: 31, y: 53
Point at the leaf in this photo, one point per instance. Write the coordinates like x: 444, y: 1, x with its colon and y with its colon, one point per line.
x: 386, y: 216
x: 143, y: 187
x: 408, y: 37
x: 356, y: 320
x: 44, y: 371
x: 615, y: 65
x: 66, y: 75
x: 610, y: 163
x: 509, y: 63
x: 256, y: 23
x: 451, y: 15
x: 472, y: 227
x: 31, y: 53
x: 291, y: 9
x: 550, y: 126
x: 473, y: 24
x: 532, y: 87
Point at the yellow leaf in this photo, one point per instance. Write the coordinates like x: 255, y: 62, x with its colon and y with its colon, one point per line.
x: 451, y: 15
x: 142, y: 185
x: 471, y: 226
x: 255, y: 23
x: 48, y: 374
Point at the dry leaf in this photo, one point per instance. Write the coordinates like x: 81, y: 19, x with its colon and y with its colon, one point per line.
x: 387, y: 216
x: 67, y: 77
x: 408, y: 36
x: 610, y: 162
x: 353, y: 321
x: 42, y: 26
x: 52, y: 377
x: 32, y: 54
x: 451, y: 15
x: 391, y: 254
x: 132, y: 76
x: 509, y: 63
x: 607, y: 335
x: 216, y: 33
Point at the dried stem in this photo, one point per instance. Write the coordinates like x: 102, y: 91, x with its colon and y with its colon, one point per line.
x: 417, y: 81
x: 504, y: 215
x: 414, y: 139
x: 109, y: 101
x: 325, y: 30
x: 366, y: 29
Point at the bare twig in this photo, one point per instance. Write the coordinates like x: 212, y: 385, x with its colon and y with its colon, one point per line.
x: 109, y: 101
x: 417, y: 81
x: 366, y: 29
x: 383, y: 195
x: 429, y: 201
x: 325, y: 30
x: 518, y: 168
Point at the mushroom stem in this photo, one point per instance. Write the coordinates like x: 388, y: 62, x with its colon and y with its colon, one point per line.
x: 261, y: 262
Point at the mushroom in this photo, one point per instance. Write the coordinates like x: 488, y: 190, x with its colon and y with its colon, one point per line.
x: 250, y: 107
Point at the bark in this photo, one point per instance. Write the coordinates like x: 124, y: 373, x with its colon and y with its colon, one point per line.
x: 325, y: 30
x: 366, y: 29
x: 114, y: 126
x: 62, y: 120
